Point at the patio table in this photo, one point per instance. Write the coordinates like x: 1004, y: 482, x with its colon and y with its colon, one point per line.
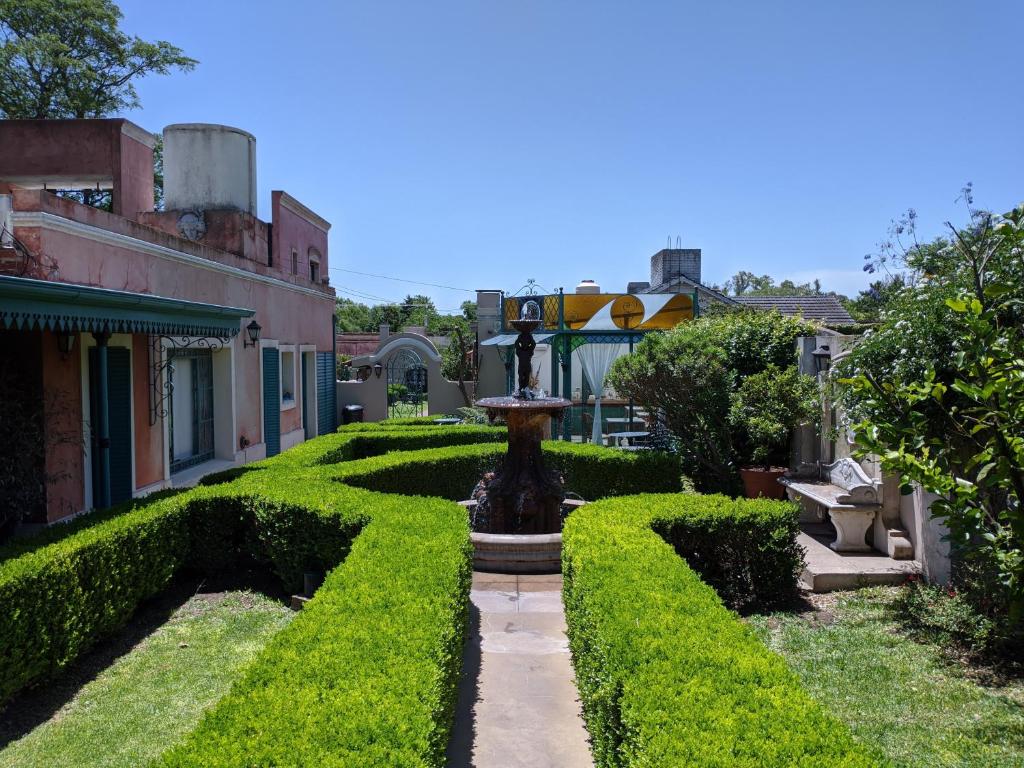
x: 612, y: 438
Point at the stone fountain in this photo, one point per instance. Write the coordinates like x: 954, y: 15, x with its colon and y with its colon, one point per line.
x: 523, y: 529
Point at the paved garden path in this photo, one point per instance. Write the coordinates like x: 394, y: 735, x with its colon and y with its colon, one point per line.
x: 518, y: 706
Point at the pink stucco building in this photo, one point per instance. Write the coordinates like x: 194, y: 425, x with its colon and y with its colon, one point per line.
x: 129, y: 333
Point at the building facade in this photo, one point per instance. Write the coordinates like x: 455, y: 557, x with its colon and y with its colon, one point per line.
x: 155, y: 346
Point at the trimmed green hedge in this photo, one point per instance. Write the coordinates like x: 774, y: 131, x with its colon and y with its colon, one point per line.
x: 366, y: 674
x: 58, y: 600
x: 389, y: 424
x: 668, y: 676
x: 745, y: 548
x: 451, y: 473
x: 381, y: 641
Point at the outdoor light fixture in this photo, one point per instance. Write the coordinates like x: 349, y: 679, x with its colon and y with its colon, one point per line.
x: 65, y: 343
x: 378, y: 369
x: 253, y: 330
x: 822, y: 358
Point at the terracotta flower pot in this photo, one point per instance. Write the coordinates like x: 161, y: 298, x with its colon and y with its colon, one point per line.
x: 758, y: 481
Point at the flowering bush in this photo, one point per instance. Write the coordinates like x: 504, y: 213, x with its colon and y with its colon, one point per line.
x: 937, y: 392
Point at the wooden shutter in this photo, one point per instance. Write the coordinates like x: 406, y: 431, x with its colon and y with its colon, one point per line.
x: 272, y: 400
x: 327, y: 415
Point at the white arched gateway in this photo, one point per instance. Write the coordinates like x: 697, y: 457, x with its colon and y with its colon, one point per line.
x: 402, y: 378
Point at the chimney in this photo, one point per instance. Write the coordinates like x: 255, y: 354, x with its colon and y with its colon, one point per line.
x: 670, y: 263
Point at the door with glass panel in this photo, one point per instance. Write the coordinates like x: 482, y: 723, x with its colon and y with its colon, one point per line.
x: 191, y: 414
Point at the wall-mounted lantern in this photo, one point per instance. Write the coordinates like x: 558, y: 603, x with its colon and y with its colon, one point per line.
x: 378, y: 369
x: 822, y: 358
x: 66, y: 344
x: 253, y: 331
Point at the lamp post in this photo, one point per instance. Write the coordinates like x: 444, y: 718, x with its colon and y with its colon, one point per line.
x: 252, y: 330
x: 377, y: 369
x: 66, y: 344
x: 822, y: 358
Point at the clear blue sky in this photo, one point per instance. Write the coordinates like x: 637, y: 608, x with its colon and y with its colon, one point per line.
x: 478, y: 144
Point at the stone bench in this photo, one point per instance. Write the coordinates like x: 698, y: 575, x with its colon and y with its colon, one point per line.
x: 852, y: 500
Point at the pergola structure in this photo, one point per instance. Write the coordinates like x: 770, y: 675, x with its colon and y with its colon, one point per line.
x: 570, y: 321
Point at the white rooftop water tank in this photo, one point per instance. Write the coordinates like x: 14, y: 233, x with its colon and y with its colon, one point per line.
x: 209, y: 167
x: 588, y: 286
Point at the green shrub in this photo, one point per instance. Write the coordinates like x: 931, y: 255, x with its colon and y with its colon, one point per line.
x: 667, y: 675
x: 60, y: 599
x: 369, y: 668
x: 366, y: 674
x: 363, y: 445
x: 389, y: 424
x: 23, y: 544
x: 687, y: 377
x: 450, y: 473
x: 944, y: 617
x: 745, y: 548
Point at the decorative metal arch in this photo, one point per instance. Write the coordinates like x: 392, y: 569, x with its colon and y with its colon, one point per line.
x: 161, y: 385
x: 406, y: 368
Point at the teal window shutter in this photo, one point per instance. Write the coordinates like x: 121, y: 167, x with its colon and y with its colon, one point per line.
x: 119, y: 408
x: 326, y: 394
x: 272, y: 400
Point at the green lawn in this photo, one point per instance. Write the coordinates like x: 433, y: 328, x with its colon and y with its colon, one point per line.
x: 154, y: 694
x: 897, y: 695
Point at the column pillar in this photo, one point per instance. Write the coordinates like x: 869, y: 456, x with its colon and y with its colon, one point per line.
x: 566, y: 342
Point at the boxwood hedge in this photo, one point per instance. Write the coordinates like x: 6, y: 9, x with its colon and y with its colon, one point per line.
x: 667, y: 674
x: 366, y: 674
x: 591, y: 471
x: 392, y: 616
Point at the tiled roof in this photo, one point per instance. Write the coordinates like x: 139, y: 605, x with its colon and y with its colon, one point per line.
x: 674, y: 285
x: 824, y: 308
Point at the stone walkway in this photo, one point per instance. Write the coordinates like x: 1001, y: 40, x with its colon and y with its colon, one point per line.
x: 518, y: 706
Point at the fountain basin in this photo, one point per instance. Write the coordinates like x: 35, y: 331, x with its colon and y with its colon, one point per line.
x: 518, y: 552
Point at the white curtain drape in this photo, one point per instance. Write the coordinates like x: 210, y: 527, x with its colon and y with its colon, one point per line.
x: 596, y: 360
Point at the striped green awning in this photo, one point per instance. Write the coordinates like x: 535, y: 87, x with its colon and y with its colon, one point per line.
x: 27, y: 304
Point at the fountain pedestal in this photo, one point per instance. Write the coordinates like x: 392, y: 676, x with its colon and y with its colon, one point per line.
x: 523, y: 533
x: 525, y: 497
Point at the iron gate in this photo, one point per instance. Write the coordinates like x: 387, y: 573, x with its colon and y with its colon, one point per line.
x: 407, y: 385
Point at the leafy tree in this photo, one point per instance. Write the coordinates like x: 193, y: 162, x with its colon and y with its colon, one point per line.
x: 469, y: 310
x: 765, y: 410
x: 685, y: 382
x: 158, y: 175
x: 353, y: 317
x: 745, y: 283
x: 392, y: 314
x: 417, y: 310
x: 446, y: 325
x: 68, y: 58
x: 937, y: 392
x: 869, y: 304
x: 457, y: 360
x: 687, y: 378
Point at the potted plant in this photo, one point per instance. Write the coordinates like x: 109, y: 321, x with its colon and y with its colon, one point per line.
x: 765, y: 410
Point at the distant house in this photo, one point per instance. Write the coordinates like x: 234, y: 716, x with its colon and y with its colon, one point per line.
x: 155, y: 346
x: 823, y: 309
x: 678, y: 270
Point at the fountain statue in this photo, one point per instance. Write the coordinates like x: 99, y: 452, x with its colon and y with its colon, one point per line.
x: 524, y: 496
